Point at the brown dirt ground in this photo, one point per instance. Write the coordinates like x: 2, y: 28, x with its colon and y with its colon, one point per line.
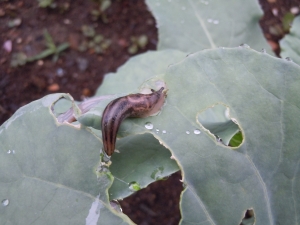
x: 159, y: 202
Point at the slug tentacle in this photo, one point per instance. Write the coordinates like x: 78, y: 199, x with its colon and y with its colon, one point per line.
x: 134, y: 105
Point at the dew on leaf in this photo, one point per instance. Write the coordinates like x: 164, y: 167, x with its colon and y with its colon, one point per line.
x: 289, y: 59
x: 164, y: 131
x: 216, y: 21
x: 9, y: 151
x: 196, y: 131
x: 149, y: 126
x: 5, y: 202
x: 134, y: 186
x: 244, y: 46
x: 187, y: 132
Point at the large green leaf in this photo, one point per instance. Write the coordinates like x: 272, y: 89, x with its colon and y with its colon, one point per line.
x: 137, y: 69
x: 290, y: 44
x: 262, y: 93
x: 193, y: 25
x: 48, y: 171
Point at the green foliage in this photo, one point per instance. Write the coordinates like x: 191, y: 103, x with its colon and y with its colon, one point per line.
x: 52, y: 49
x: 14, y: 22
x: 100, y: 12
x: 45, y: 3
x: 94, y: 41
x: 20, y: 59
x: 287, y: 21
x: 137, y: 43
x: 229, y: 124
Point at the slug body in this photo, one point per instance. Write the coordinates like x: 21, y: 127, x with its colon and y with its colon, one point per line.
x: 134, y: 105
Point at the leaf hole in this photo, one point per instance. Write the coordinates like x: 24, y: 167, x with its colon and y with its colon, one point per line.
x: 62, y: 110
x: 156, y: 202
x: 217, y: 121
x: 249, y: 218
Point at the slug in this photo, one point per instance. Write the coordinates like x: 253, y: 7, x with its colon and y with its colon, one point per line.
x: 134, y: 105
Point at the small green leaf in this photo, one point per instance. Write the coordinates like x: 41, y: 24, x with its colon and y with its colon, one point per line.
x: 62, y: 47
x: 88, y: 31
x: 287, y: 21
x: 45, y: 3
x: 49, y: 41
x: 236, y: 140
x: 290, y: 44
x: 41, y: 55
x: 105, y: 4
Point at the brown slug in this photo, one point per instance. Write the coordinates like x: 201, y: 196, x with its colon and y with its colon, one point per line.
x: 134, y: 105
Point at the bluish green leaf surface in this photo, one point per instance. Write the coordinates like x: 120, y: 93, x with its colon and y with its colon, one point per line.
x: 193, y: 25
x: 262, y: 93
x: 142, y: 159
x: 290, y: 44
x: 137, y: 70
x: 48, y: 171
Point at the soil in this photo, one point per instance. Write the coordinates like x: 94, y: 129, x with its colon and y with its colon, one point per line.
x: 80, y: 72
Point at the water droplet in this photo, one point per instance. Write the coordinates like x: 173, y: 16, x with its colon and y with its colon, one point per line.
x: 164, y: 131
x: 216, y: 21
x: 263, y: 50
x: 187, y: 132
x: 134, y: 186
x: 183, y: 8
x: 13, y: 151
x: 196, y: 131
x: 289, y: 59
x: 9, y: 151
x: 149, y: 126
x: 244, y: 46
x: 218, y: 139
x: 5, y: 202
x: 210, y: 20
x: 157, y: 130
